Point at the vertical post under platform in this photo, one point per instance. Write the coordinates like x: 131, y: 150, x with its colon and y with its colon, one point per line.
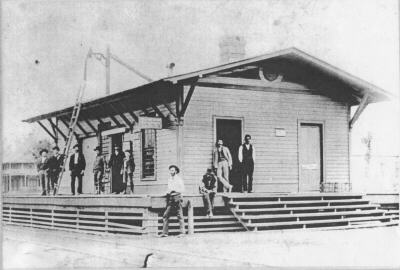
x: 190, y: 218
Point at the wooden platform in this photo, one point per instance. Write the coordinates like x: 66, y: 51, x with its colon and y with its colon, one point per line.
x: 142, y: 214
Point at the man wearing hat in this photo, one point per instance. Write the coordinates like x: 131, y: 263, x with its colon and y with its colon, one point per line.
x: 43, y: 171
x: 174, y: 200
x: 116, y: 163
x: 77, y: 165
x: 55, y: 166
x: 98, y: 170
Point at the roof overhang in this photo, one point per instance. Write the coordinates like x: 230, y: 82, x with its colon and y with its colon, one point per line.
x: 136, y: 96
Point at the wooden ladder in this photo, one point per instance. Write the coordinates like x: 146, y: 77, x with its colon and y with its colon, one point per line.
x: 71, y: 131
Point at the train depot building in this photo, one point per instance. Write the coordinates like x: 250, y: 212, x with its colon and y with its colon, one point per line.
x: 297, y: 109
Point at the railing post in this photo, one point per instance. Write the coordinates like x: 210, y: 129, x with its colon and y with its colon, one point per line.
x: 106, y: 221
x: 77, y: 219
x: 30, y: 215
x: 52, y: 217
x: 190, y: 218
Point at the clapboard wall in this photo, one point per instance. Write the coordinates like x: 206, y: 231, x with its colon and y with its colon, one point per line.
x: 276, y: 168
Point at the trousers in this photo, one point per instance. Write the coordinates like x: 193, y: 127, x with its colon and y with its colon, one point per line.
x: 247, y: 175
x: 208, y: 199
x: 128, y: 177
x: 53, y: 178
x: 45, y: 182
x: 223, y: 173
x: 174, y: 206
x: 98, y: 177
x: 75, y: 175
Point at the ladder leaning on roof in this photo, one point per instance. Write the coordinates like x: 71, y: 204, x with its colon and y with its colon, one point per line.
x: 71, y: 130
x: 72, y: 123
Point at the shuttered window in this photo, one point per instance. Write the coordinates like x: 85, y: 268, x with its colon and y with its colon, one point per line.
x: 148, y: 152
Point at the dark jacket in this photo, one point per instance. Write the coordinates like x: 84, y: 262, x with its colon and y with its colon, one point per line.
x: 80, y: 166
x: 56, y: 163
x: 42, y: 166
x: 208, y: 183
x: 116, y: 162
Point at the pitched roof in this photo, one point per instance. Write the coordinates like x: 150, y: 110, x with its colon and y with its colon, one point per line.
x: 358, y: 86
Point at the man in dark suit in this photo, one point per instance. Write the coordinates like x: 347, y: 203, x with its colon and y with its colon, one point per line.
x: 43, y: 171
x: 55, y: 166
x: 77, y: 165
x: 116, y: 163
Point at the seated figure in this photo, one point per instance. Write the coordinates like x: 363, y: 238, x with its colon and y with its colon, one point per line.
x: 208, y: 187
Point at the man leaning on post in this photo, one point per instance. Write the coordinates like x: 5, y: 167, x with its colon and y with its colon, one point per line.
x: 174, y: 201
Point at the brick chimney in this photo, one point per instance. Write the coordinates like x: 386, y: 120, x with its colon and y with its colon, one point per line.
x: 232, y: 48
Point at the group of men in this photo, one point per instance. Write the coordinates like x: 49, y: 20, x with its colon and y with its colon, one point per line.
x: 120, y: 164
x: 222, y: 164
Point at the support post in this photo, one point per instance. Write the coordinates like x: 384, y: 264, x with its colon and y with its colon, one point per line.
x: 190, y: 218
x: 108, y: 65
x: 179, y: 126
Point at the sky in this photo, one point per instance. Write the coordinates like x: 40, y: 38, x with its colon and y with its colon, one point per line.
x: 44, y: 44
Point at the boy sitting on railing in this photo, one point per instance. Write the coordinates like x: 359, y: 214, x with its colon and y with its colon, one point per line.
x: 208, y: 188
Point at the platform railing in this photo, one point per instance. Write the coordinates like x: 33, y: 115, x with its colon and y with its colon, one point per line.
x: 91, y: 220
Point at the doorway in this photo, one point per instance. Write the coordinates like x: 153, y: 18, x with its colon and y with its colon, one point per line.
x: 230, y: 131
x: 310, y: 157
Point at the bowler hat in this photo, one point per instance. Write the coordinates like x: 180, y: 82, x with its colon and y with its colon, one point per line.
x: 174, y: 166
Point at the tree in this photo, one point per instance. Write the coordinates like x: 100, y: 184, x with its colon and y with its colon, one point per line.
x: 35, y: 147
x: 367, y: 141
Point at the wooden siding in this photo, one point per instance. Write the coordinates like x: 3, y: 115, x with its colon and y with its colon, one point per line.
x: 276, y: 167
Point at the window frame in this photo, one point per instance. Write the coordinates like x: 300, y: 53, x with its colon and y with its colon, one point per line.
x: 154, y: 176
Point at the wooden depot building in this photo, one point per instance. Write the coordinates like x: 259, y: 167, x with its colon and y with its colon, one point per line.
x: 295, y: 106
x: 297, y: 110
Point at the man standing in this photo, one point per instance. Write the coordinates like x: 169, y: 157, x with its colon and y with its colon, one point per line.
x: 174, y: 201
x: 43, y: 170
x: 116, y: 163
x: 247, y: 157
x: 222, y: 162
x: 77, y: 165
x: 128, y: 169
x: 55, y: 166
x: 208, y: 188
x: 98, y: 170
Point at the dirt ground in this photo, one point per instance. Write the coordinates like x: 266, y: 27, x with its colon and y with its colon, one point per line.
x: 27, y: 248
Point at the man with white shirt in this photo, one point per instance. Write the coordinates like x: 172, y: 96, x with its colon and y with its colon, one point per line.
x: 247, y: 157
x: 174, y: 200
x: 77, y: 165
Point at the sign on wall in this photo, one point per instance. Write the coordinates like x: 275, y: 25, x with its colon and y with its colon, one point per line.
x: 149, y: 123
x: 280, y: 132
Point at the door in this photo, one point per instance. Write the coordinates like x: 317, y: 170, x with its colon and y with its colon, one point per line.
x: 310, y: 157
x: 230, y: 131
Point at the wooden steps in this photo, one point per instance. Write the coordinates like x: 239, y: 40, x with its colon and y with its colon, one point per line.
x: 308, y: 211
x: 313, y: 215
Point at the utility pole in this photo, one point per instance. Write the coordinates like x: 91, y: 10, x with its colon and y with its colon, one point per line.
x: 108, y: 63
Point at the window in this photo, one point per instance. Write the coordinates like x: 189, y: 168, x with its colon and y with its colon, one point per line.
x: 148, y: 152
